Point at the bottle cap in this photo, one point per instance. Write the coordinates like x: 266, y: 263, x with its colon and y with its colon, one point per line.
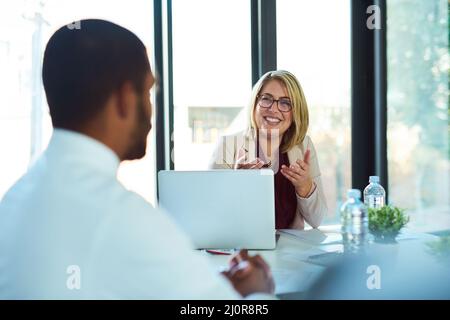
x: 374, y: 179
x: 354, y: 193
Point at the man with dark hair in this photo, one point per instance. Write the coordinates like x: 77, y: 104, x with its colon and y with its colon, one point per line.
x: 68, y: 228
x: 83, y: 69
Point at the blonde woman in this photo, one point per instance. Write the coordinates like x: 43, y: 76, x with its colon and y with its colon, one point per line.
x: 276, y: 139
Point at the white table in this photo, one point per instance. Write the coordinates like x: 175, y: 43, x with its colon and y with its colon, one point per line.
x: 293, y: 269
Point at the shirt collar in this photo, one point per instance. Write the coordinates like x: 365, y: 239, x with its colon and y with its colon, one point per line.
x: 74, y: 145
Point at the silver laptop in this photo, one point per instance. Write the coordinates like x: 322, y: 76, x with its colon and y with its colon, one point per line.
x: 221, y: 209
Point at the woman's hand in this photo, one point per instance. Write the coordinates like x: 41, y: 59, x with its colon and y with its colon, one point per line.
x: 299, y: 175
x: 242, y: 163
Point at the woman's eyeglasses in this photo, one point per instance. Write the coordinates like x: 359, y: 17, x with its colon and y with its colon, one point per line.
x: 266, y: 101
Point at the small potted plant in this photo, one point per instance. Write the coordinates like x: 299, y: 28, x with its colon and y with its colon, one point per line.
x: 386, y: 222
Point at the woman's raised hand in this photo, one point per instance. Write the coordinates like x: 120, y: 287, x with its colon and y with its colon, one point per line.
x: 299, y: 174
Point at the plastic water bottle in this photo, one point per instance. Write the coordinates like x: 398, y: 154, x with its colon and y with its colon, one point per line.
x: 374, y: 193
x: 355, y: 222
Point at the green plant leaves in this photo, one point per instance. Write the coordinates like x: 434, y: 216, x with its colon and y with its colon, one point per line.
x: 387, y: 221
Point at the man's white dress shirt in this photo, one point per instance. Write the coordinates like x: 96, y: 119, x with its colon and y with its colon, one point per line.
x: 70, y: 230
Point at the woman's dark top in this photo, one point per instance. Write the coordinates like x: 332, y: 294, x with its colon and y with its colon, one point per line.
x: 285, y: 197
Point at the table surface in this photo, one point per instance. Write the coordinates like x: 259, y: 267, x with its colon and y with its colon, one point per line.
x: 302, y: 256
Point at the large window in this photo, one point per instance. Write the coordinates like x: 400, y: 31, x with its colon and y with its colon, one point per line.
x: 211, y: 46
x: 418, y: 110
x: 211, y: 75
x: 313, y: 42
x: 25, y: 127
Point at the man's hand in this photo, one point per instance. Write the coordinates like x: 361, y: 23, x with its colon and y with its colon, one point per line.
x: 250, y: 274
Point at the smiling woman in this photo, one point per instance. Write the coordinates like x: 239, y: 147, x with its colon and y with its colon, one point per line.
x: 276, y: 138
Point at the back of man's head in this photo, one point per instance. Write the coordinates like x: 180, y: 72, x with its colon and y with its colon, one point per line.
x: 84, y: 66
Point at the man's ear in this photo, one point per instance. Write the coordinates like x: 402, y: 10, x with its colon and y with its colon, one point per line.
x: 126, y: 99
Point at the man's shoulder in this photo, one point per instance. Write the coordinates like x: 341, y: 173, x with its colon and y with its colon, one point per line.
x: 134, y: 224
x: 124, y: 201
x: 131, y: 209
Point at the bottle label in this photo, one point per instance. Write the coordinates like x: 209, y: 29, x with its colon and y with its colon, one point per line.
x: 375, y: 201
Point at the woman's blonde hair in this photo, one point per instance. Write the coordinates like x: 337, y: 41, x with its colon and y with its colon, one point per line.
x: 300, y: 117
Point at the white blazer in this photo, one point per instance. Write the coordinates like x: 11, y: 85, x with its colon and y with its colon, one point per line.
x: 311, y: 209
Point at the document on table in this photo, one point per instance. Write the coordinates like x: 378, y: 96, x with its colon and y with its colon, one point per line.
x: 314, y: 236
